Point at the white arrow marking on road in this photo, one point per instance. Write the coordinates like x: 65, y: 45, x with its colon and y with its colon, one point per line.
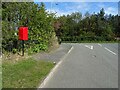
x: 89, y: 46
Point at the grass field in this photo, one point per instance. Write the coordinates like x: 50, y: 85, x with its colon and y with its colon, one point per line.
x: 24, y: 73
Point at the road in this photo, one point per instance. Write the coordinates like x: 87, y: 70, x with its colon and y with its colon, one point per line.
x: 88, y: 65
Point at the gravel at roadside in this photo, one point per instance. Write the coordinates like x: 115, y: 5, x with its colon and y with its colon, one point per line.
x: 54, y: 56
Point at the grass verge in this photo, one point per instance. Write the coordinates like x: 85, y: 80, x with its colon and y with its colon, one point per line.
x: 27, y: 73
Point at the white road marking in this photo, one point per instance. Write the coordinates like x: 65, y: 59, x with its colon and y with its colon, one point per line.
x: 70, y: 50
x: 89, y: 46
x: 99, y: 44
x: 53, y: 70
x: 1, y: 56
x: 110, y: 51
x: 50, y: 75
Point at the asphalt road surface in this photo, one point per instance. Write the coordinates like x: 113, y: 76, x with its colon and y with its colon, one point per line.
x: 88, y: 65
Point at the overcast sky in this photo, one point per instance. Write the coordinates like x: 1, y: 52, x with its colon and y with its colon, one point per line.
x: 64, y: 8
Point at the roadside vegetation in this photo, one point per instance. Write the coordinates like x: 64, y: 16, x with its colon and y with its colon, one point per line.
x: 99, y: 27
x: 46, y: 31
x: 25, y: 73
x: 45, y: 27
x: 40, y: 24
x: 19, y: 71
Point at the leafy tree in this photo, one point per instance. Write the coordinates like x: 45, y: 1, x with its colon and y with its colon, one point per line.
x: 89, y: 27
x: 38, y: 20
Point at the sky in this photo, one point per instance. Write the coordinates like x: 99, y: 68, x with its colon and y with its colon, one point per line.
x: 64, y: 8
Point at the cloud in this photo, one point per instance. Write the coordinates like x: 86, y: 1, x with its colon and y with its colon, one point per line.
x: 59, y: 12
x: 108, y: 9
x: 111, y: 10
x: 101, y: 5
x: 78, y: 6
x: 73, y: 0
x: 68, y: 8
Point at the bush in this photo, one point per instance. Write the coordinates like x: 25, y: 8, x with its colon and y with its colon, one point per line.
x: 38, y: 20
x: 14, y: 51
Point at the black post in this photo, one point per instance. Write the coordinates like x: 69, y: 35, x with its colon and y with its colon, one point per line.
x: 22, y: 47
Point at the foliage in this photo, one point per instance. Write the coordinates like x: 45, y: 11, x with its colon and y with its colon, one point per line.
x: 24, y: 73
x: 38, y: 20
x: 44, y: 26
x: 90, y: 27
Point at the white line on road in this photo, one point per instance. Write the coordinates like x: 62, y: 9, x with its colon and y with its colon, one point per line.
x: 110, y: 51
x: 53, y: 70
x: 0, y: 56
x: 99, y: 44
x: 89, y: 46
x: 70, y: 50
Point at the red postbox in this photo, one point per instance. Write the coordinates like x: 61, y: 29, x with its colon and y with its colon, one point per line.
x: 23, y: 33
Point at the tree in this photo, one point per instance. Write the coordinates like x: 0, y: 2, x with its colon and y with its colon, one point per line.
x: 89, y: 27
x: 38, y: 20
